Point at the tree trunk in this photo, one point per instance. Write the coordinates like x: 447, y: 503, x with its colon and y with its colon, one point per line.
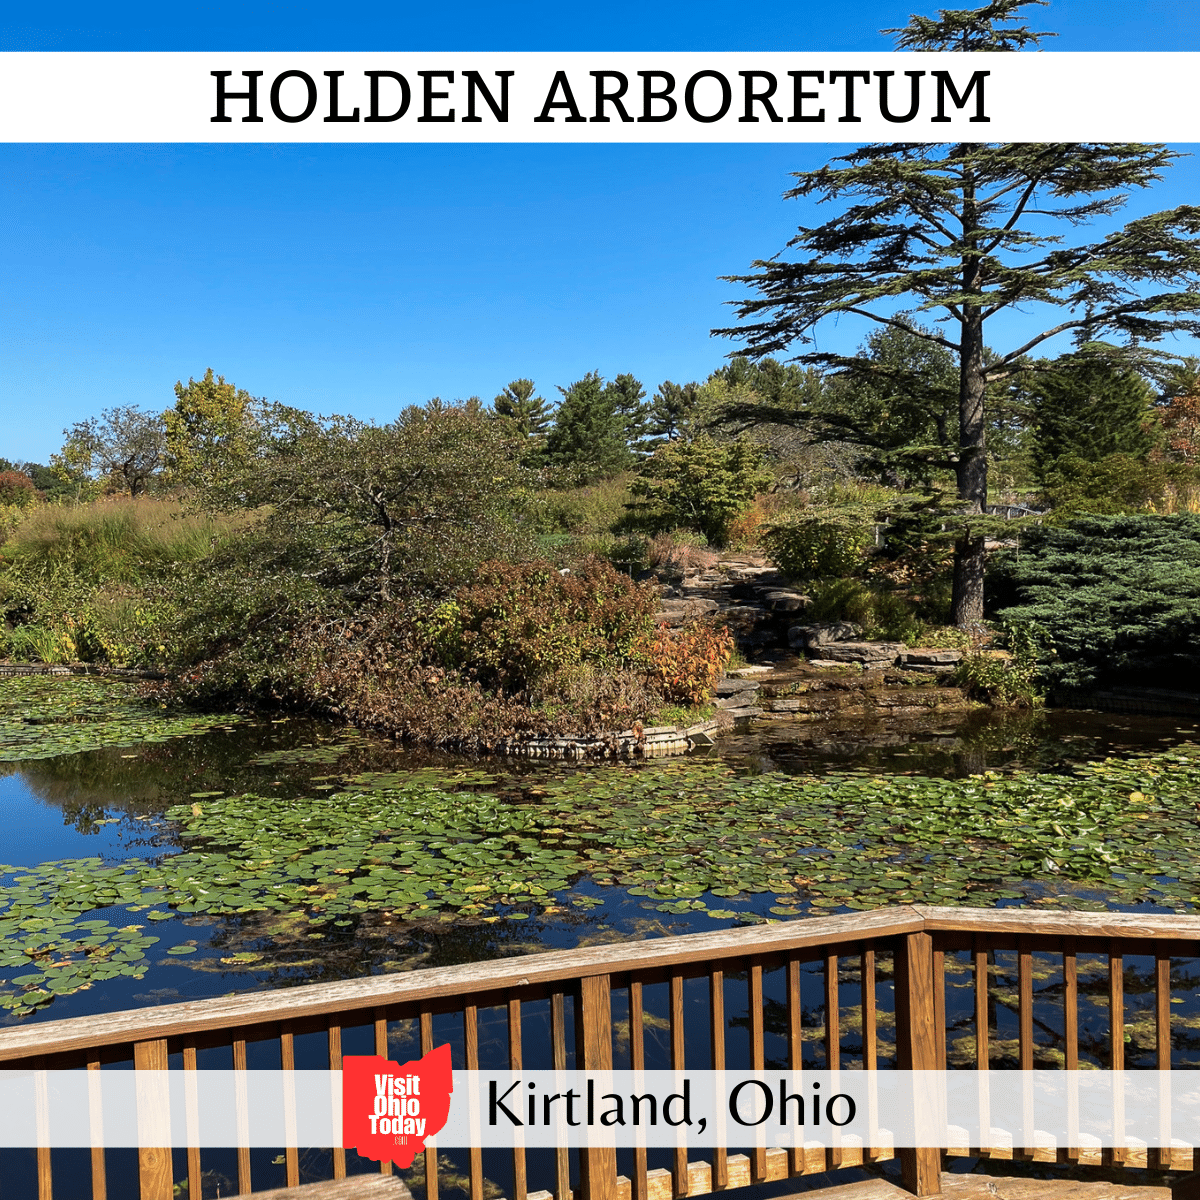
x: 966, y: 604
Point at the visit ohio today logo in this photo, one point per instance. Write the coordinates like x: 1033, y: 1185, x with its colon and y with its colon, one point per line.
x: 389, y: 1109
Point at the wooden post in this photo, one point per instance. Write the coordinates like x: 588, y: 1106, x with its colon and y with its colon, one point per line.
x: 154, y: 1163
x: 916, y: 1047
x: 597, y: 1165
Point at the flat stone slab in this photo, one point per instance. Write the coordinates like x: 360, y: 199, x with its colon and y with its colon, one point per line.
x: 823, y: 634
x: 751, y: 710
x: 922, y: 656
x: 730, y: 686
x: 785, y: 601
x: 868, y: 653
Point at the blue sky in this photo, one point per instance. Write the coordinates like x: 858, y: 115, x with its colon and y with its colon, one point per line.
x: 363, y: 278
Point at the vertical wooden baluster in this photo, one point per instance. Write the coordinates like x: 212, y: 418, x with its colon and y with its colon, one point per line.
x: 471, y: 1043
x: 678, y: 1064
x: 96, y: 1120
x: 637, y: 1061
x: 243, y: 1119
x: 335, y: 1064
x: 41, y: 1101
x: 291, y: 1155
x: 939, y: 1006
x: 795, y: 1014
x: 833, y: 1046
x: 982, y: 1049
x: 193, y: 1124
x: 716, y: 1009
x: 593, y: 1026
x: 982, y: 1060
x: 870, y: 1023
x: 431, y: 1163
x: 520, y: 1182
x: 1024, y: 1029
x: 558, y: 1039
x: 1161, y: 1157
x: 916, y: 1047
x: 1116, y: 1041
x: 154, y: 1163
x: 1070, y: 1025
x: 757, y: 1055
x: 382, y: 1053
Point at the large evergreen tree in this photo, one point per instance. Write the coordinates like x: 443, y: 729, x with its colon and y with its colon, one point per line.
x: 589, y: 433
x: 531, y: 415
x: 1089, y: 409
x: 965, y: 232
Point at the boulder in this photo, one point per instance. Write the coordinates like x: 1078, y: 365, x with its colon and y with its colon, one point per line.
x: 870, y: 654
x: 731, y: 687
x: 783, y: 601
x: 814, y: 637
x: 921, y: 656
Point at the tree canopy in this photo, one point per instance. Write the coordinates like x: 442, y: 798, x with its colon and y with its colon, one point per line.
x: 962, y: 233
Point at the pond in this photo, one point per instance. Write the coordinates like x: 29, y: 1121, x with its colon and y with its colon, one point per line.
x: 150, y: 855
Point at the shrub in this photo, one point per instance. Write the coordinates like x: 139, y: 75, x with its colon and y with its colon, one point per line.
x: 17, y: 489
x: 700, y: 484
x: 684, y: 664
x: 1121, y: 595
x: 1007, y: 678
x: 518, y: 623
x: 882, y: 614
x: 814, y: 548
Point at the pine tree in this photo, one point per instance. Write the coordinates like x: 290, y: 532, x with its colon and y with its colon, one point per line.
x: 589, y: 432
x: 627, y: 395
x: 1087, y: 408
x: 968, y: 231
x: 672, y: 412
x: 531, y: 415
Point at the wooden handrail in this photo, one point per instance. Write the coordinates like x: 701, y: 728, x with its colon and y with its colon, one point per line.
x: 579, y: 986
x: 475, y: 979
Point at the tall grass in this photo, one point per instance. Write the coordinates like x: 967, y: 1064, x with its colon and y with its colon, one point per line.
x: 118, y: 540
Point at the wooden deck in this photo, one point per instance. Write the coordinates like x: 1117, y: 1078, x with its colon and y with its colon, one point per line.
x: 822, y: 975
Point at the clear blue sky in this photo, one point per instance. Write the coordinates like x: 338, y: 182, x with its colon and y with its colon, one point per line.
x: 360, y: 279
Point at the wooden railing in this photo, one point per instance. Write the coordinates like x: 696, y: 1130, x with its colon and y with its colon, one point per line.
x: 810, y: 993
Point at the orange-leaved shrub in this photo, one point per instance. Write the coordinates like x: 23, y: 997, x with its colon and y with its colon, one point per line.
x: 684, y: 664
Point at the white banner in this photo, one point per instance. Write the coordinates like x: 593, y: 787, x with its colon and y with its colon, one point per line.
x: 595, y: 97
x: 696, y: 1109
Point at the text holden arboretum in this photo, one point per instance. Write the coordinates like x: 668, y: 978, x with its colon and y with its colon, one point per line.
x: 841, y: 96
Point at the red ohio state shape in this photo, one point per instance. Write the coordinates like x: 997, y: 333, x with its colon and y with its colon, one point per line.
x: 389, y: 1109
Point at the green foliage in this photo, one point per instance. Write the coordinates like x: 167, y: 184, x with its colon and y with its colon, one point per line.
x: 1121, y: 595
x: 1087, y: 409
x: 530, y: 415
x: 368, y: 511
x: 1118, y: 483
x: 1011, y: 677
x: 515, y: 625
x: 897, y: 403
x: 211, y: 430
x: 123, y: 446
x: 701, y: 483
x: 673, y: 412
x: 882, y: 614
x: 589, y: 436
x: 991, y: 27
x: 816, y: 547
x: 92, y: 582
